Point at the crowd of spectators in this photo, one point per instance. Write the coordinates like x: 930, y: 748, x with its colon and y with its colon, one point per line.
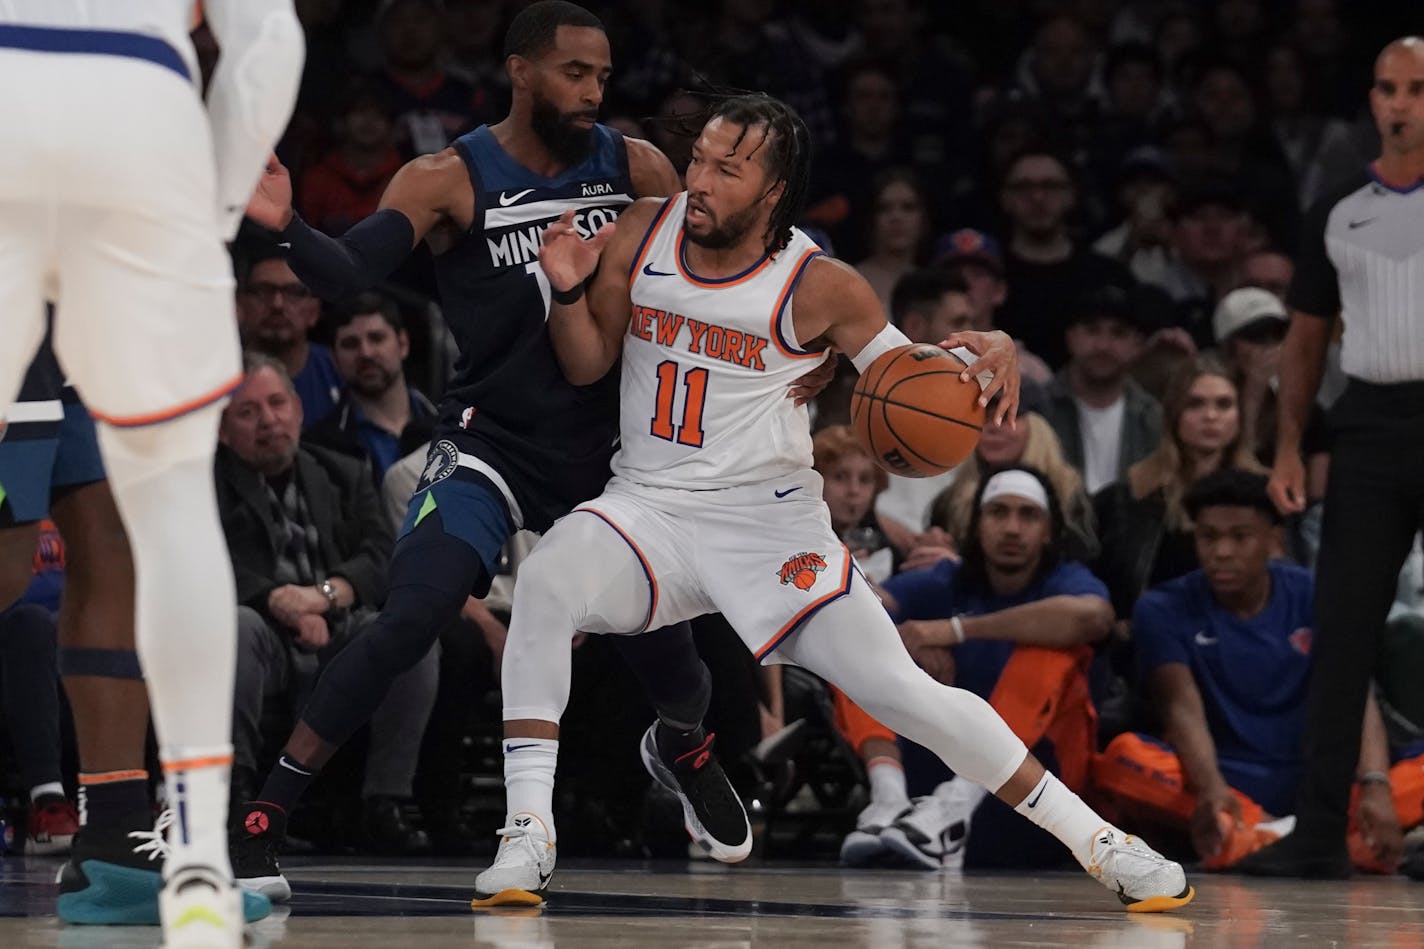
x: 1117, y: 184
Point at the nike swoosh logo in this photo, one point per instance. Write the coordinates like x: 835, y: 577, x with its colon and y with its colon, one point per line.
x: 509, y: 748
x: 505, y: 200
x: 648, y: 269
x: 1204, y: 640
x: 782, y: 494
x: 1355, y: 224
x: 285, y: 245
x: 1034, y: 802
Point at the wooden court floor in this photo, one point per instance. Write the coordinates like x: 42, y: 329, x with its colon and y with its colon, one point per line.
x: 354, y: 905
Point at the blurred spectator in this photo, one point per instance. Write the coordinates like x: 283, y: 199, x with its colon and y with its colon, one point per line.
x: 1269, y: 268
x: 1047, y: 269
x: 1250, y: 326
x: 1145, y: 531
x: 1031, y: 443
x: 747, y: 46
x: 275, y: 312
x: 899, y: 228
x: 852, y: 482
x: 1226, y: 650
x: 870, y: 144
x: 1132, y: 79
x: 1180, y: 34
x: 1243, y: 147
x: 310, y: 546
x: 1060, y: 71
x: 1104, y: 420
x: 975, y: 257
x: 474, y: 51
x: 379, y: 418
x: 345, y: 186
x: 1240, y: 28
x: 675, y: 127
x: 1145, y: 188
x: 29, y: 691
x: 1321, y: 150
x: 934, y: 82
x: 1209, y: 240
x: 431, y: 106
x: 1013, y: 624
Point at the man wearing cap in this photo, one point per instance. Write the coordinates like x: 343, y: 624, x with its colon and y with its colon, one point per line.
x: 976, y: 258
x: 1226, y: 652
x: 1012, y: 622
x: 1362, y: 260
x: 1105, y: 420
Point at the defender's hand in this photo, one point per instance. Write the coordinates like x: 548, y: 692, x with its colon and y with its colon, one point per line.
x: 271, y: 204
x: 567, y: 258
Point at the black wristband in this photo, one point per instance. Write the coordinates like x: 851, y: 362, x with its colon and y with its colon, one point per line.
x: 565, y: 297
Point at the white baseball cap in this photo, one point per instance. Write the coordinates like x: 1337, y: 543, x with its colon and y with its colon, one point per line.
x: 1242, y: 307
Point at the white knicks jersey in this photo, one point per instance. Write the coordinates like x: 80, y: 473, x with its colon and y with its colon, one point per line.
x: 707, y: 364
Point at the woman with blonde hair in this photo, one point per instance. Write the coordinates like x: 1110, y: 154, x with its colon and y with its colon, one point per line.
x: 1032, y: 442
x: 1145, y: 531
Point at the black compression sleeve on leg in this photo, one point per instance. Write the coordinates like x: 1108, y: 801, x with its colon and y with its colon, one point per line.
x: 673, y: 675
x: 338, y: 267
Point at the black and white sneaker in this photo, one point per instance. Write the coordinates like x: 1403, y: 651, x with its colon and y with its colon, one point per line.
x: 253, y: 844
x: 711, y: 811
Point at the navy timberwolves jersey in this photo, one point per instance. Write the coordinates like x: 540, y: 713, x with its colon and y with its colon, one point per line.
x: 552, y: 440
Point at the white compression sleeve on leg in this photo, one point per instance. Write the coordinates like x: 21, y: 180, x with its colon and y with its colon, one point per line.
x: 882, y: 342
x: 186, y: 630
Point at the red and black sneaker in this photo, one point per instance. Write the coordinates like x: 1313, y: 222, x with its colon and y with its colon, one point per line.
x: 258, y: 831
x: 711, y: 811
x: 52, y: 826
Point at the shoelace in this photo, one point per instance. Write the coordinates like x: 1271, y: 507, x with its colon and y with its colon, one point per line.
x: 154, y: 842
x: 509, y: 854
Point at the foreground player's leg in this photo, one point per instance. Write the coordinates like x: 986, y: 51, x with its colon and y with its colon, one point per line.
x: 975, y: 743
x: 431, y: 574
x: 162, y: 480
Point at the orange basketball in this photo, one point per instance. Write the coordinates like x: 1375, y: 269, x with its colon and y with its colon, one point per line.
x: 913, y: 414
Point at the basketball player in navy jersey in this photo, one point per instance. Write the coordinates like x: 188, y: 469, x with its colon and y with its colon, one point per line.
x: 517, y: 445
x: 713, y: 300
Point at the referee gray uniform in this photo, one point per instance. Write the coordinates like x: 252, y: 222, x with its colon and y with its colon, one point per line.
x: 1363, y: 258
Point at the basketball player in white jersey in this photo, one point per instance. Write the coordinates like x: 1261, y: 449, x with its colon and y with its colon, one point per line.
x: 714, y: 302
x: 118, y: 190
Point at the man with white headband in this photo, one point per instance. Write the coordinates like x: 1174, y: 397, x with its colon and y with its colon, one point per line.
x: 1011, y: 623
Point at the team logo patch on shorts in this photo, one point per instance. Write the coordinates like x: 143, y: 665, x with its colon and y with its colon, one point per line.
x: 444, y: 458
x: 802, y: 569
x: 1302, y: 639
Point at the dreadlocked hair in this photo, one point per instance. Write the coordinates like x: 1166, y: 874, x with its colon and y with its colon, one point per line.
x: 788, y: 144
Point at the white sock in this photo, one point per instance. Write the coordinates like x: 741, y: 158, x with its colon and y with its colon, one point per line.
x: 529, y: 765
x: 197, y: 781
x: 887, y: 781
x: 40, y: 790
x: 1063, y: 814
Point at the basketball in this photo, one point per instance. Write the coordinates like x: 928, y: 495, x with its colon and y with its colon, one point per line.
x: 913, y: 414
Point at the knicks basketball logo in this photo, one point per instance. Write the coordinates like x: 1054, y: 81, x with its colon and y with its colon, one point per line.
x: 802, y: 569
x: 1301, y: 640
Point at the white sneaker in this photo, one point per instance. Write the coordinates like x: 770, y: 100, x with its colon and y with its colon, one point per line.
x: 200, y: 910
x: 862, y: 845
x: 934, y: 834
x: 1143, y: 879
x: 522, y: 866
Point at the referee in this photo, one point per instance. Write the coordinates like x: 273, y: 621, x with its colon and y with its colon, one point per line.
x: 1362, y: 260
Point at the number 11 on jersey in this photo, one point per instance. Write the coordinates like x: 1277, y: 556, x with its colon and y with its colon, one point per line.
x: 689, y: 433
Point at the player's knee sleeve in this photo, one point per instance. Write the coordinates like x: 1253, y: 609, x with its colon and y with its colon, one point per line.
x: 672, y: 673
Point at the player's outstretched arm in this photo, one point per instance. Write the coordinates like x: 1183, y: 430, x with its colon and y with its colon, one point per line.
x: 421, y: 195
x: 589, y: 317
